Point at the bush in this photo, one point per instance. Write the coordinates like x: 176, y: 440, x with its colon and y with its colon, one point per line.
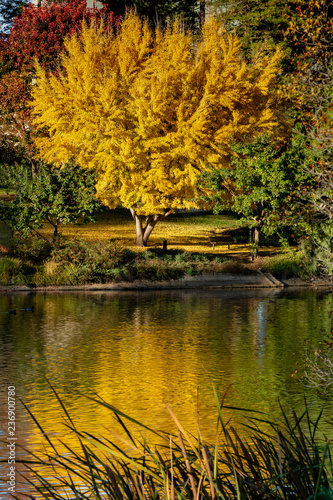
x: 14, y: 271
x: 319, y: 248
x: 8, y: 267
x: 155, y: 271
x: 292, y: 264
x: 29, y: 246
x: 83, y: 261
x: 77, y: 262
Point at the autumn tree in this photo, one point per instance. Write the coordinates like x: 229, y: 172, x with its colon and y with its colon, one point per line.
x: 14, y: 119
x: 148, y: 111
x: 37, y: 33
x: 310, y: 91
x: 311, y: 33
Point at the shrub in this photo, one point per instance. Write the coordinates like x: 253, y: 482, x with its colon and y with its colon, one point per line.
x: 79, y: 251
x: 292, y: 264
x: 29, y: 246
x: 8, y: 267
x: 16, y: 272
x: 154, y: 271
x: 86, y: 261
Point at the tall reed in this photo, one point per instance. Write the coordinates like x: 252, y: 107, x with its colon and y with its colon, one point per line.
x: 273, y: 461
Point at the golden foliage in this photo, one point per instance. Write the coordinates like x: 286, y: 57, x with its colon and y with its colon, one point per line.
x: 148, y: 111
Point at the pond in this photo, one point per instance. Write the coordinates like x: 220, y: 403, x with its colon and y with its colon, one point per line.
x: 139, y: 350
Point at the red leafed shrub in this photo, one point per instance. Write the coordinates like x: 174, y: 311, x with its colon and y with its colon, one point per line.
x: 14, y: 91
x: 39, y: 32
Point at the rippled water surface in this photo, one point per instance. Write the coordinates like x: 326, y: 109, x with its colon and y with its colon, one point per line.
x: 140, y: 349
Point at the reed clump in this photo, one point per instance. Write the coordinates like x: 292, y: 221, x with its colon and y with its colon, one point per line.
x: 284, y: 461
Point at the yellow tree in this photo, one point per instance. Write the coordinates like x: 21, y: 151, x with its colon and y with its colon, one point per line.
x: 150, y: 110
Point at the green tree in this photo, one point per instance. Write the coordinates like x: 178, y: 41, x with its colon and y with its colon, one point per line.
x: 257, y: 21
x: 158, y: 11
x: 56, y: 196
x: 310, y: 91
x: 264, y: 183
x: 319, y: 136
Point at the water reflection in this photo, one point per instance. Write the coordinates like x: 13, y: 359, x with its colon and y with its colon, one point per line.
x: 138, y: 349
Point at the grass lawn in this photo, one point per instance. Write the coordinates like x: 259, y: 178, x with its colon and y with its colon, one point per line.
x: 4, y: 192
x: 187, y: 231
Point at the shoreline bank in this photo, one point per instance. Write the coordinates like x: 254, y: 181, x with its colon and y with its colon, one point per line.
x: 257, y: 279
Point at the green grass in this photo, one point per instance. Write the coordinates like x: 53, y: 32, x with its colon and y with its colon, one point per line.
x: 286, y: 460
x: 186, y: 231
x: 288, y: 265
x: 189, y: 251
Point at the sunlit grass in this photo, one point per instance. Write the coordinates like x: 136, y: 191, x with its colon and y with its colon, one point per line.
x: 188, y: 232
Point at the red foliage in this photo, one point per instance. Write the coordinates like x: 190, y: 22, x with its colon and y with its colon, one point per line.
x: 14, y: 92
x: 39, y: 32
x: 15, y: 125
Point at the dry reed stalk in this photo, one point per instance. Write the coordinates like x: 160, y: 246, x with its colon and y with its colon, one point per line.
x: 113, y: 479
x: 172, y: 477
x: 188, y: 465
x: 206, y: 457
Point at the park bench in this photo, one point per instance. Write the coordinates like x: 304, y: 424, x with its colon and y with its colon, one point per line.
x: 220, y: 239
x: 223, y: 237
x: 7, y: 197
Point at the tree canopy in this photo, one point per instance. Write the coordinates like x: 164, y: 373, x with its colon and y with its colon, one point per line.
x: 264, y: 183
x: 148, y: 111
x: 257, y: 21
x: 56, y: 196
x: 158, y: 11
x: 39, y: 33
x: 311, y: 33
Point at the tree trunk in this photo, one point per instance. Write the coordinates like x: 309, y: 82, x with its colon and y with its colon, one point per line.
x: 256, y: 235
x: 34, y: 169
x: 55, y: 227
x: 55, y: 233
x: 143, y: 232
x: 138, y: 228
x: 202, y: 12
x: 259, y: 220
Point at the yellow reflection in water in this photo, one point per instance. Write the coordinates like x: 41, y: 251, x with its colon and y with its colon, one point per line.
x: 137, y: 350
